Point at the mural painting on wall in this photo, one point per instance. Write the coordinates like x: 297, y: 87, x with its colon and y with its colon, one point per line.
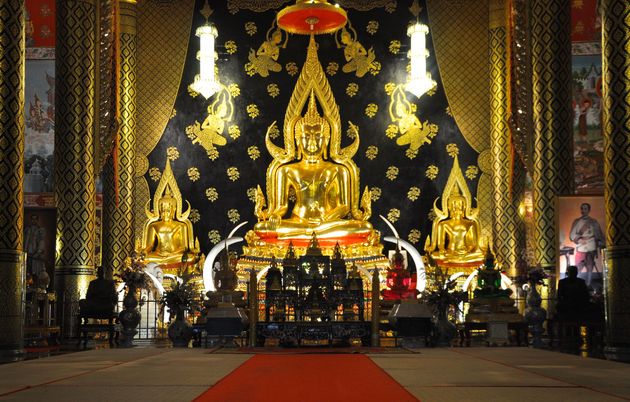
x: 39, y: 135
x: 217, y: 146
x: 587, y: 90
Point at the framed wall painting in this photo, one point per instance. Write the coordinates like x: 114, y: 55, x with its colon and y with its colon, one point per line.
x: 581, y: 225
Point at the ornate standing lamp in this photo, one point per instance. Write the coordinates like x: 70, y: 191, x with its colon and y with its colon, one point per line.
x: 315, y: 17
x: 206, y: 82
x: 419, y: 81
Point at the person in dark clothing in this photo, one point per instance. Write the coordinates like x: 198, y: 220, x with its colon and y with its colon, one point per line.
x: 573, y: 295
x: 101, y: 297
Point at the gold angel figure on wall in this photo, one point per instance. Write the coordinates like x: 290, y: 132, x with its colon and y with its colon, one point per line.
x: 412, y: 131
x: 208, y: 134
x: 358, y: 59
x: 265, y: 59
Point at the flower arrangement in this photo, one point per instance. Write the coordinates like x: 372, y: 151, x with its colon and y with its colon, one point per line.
x: 442, y: 295
x: 180, y: 297
x: 134, y: 277
x: 535, y: 276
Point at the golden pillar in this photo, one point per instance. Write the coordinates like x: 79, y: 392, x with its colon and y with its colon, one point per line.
x: 74, y: 156
x: 508, y: 176
x: 118, y: 219
x: 616, y: 125
x: 11, y: 177
x: 553, y: 119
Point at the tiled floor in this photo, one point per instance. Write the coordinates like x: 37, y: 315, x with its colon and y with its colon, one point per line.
x: 435, y: 374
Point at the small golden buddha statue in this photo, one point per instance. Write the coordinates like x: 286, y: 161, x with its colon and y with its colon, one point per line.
x: 455, y: 229
x: 322, y: 188
x: 168, y: 237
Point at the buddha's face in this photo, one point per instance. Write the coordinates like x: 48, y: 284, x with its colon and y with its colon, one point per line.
x: 457, y: 207
x: 167, y: 209
x: 312, y: 140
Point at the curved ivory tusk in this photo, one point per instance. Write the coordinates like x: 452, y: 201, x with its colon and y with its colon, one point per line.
x: 391, y: 226
x: 237, y: 227
x: 421, y: 279
x: 208, y: 273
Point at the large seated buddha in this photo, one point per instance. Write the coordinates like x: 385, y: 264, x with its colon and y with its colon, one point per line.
x: 168, y: 238
x: 455, y: 239
x: 312, y: 184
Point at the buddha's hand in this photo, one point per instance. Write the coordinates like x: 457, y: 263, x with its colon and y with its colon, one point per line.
x: 274, y: 221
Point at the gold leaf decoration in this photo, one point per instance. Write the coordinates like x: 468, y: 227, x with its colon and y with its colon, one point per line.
x: 431, y: 215
x: 173, y: 114
x: 394, y: 47
x: 392, y: 173
x: 391, y: 131
x: 413, y: 193
x: 233, y: 215
x: 292, y: 68
x: 253, y: 152
x: 359, y: 60
x: 192, y: 93
x: 212, y: 194
x: 193, y: 174
x: 292, y: 194
x: 371, y: 152
x: 194, y: 215
x: 252, y: 110
x: 234, y: 131
x: 431, y: 172
x: 452, y: 150
x: 214, y: 236
x: 432, y: 91
x: 352, y: 89
x: 234, y: 89
x: 233, y: 173
x: 332, y: 68
x: 274, y: 132
x: 411, y: 152
x: 213, y: 153
x: 251, y: 194
x: 371, y: 110
x: 390, y: 7
x: 393, y: 215
x: 448, y: 111
x: 413, y: 108
x: 251, y: 28
x: 230, y: 47
x: 376, y: 68
x: 172, y: 153
x: 273, y: 90
x: 375, y: 193
x: 372, y: 27
x: 155, y: 174
x: 471, y: 172
x: 389, y: 88
x: 414, y: 236
x: 264, y: 60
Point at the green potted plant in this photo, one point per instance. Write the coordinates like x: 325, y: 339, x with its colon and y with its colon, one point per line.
x: 178, y: 299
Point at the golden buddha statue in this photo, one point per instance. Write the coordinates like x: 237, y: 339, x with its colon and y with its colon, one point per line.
x: 168, y: 237
x: 320, y: 176
x: 455, y: 237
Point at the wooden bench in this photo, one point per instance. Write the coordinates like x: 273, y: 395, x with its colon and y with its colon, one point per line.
x: 103, y: 322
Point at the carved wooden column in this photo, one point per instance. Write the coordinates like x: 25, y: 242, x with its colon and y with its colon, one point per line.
x: 553, y: 119
x: 118, y: 239
x: 74, y: 156
x: 508, y: 174
x: 11, y: 177
x: 616, y: 125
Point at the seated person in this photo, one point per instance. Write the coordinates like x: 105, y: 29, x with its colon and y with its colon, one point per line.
x: 101, y: 297
x: 573, y: 296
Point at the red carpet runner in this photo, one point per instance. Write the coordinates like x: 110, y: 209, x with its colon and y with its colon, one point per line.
x: 306, y: 378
